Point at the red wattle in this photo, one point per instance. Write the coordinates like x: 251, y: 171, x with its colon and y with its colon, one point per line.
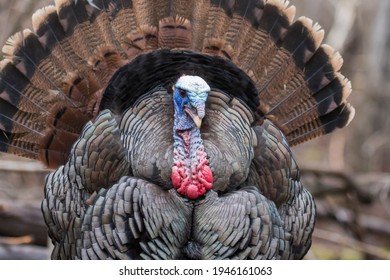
x: 207, y: 176
x: 191, y: 176
x: 193, y: 191
x: 176, y: 178
x: 196, y: 185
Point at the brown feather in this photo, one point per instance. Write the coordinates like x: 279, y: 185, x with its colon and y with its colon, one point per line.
x: 105, y: 62
x: 175, y: 33
x: 144, y: 11
x: 217, y: 23
x: 336, y: 119
x: 27, y: 54
x: 121, y: 16
x: 198, y: 19
x: 215, y: 46
x: 75, y: 24
x: 100, y: 13
x: 142, y: 41
x: 53, y: 38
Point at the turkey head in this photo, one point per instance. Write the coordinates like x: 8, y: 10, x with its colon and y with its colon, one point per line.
x: 191, y: 174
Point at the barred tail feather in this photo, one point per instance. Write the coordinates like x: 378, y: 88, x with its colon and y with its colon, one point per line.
x: 52, y: 78
x: 66, y: 63
x: 336, y: 119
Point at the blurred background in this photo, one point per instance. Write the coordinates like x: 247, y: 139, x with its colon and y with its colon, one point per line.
x: 348, y: 172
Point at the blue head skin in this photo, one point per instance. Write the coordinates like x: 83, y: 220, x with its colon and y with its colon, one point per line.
x: 190, y: 95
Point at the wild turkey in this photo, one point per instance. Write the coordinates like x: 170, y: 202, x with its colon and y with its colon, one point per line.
x: 170, y: 123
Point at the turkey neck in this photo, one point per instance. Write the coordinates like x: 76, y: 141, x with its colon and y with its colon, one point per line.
x: 191, y: 174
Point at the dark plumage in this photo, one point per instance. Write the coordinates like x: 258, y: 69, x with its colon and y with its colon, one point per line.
x: 151, y: 164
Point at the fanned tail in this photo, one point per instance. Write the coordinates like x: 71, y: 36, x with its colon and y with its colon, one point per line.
x: 53, y: 78
x: 298, y: 80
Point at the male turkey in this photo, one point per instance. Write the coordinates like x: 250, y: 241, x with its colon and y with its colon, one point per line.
x: 169, y: 123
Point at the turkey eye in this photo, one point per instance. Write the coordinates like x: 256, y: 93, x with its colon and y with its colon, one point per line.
x: 182, y: 93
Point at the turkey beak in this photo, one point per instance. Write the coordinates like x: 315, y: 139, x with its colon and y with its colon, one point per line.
x: 195, y: 115
x: 198, y: 122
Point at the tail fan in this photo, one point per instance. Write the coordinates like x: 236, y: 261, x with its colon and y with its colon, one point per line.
x: 53, y: 79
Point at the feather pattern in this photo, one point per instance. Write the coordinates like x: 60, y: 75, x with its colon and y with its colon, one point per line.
x: 90, y: 92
